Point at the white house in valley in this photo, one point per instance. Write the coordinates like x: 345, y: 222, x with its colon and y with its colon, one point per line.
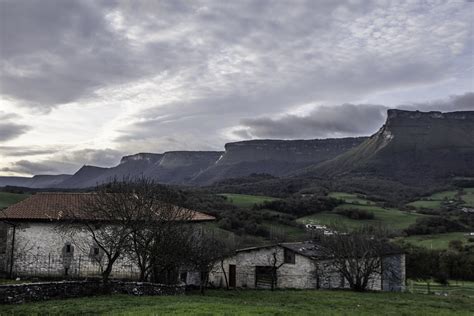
x: 32, y: 244
x: 300, y: 265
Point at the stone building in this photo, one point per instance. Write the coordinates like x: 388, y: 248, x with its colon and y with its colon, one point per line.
x: 32, y: 242
x: 300, y: 266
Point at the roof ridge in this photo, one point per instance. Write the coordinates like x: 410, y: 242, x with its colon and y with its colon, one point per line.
x: 60, y: 193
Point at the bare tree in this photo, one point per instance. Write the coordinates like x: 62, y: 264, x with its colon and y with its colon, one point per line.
x: 108, y: 216
x: 357, y: 255
x: 275, y: 265
x: 161, y: 238
x: 206, y: 252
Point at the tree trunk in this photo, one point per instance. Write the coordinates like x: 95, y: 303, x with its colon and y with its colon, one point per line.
x: 225, y: 275
x: 203, y: 283
x: 105, y: 279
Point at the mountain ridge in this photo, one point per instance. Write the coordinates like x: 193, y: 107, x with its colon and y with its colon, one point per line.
x: 412, y: 146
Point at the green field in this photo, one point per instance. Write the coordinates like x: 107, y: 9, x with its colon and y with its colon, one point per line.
x: 436, y: 200
x: 420, y: 204
x: 468, y: 197
x: 246, y: 201
x: 438, y: 241
x: 251, y: 302
x: 390, y: 217
x: 351, y: 198
x: 291, y: 233
x: 7, y: 199
x: 448, y: 195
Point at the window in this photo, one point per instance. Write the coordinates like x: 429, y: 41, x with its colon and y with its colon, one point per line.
x: 96, y: 251
x: 68, y: 248
x: 289, y: 256
x: 183, y: 277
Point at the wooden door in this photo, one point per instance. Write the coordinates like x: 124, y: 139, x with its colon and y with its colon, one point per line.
x: 232, y: 275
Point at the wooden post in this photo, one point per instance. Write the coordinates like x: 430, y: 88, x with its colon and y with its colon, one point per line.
x: 79, y: 267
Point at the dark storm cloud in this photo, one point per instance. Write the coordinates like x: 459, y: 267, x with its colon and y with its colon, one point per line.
x: 61, y: 51
x: 342, y: 120
x: 29, y: 167
x: 9, y: 129
x: 56, y: 51
x: 68, y: 162
x: 98, y: 157
x: 324, y: 121
x: 18, y: 151
x: 464, y: 102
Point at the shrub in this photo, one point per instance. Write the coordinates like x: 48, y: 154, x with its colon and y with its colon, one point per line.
x: 356, y: 214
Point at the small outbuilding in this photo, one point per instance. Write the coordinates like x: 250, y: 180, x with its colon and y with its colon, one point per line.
x: 300, y: 265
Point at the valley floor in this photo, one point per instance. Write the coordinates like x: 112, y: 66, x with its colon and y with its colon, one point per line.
x: 251, y: 302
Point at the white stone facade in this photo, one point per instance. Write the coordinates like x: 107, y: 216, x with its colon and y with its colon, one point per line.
x: 43, y: 249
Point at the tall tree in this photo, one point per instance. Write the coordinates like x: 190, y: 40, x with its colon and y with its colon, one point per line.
x: 358, y: 255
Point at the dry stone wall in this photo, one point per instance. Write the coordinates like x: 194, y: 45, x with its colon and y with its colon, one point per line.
x: 20, y: 293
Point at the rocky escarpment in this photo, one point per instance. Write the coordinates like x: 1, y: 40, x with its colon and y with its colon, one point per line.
x: 148, y: 157
x: 275, y: 157
x: 175, y: 167
x: 180, y: 167
x: 412, y: 146
x: 85, y: 177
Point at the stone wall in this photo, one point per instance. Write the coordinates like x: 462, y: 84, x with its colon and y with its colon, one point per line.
x: 20, y: 293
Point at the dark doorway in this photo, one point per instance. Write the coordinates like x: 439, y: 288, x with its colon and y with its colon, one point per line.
x: 232, y: 275
x: 263, y: 277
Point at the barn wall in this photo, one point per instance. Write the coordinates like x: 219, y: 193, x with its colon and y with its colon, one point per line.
x: 299, y: 275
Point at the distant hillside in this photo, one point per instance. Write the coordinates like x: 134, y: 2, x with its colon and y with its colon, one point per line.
x: 38, y: 181
x: 412, y: 147
x: 176, y: 167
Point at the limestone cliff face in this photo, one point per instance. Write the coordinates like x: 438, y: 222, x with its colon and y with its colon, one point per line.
x: 298, y: 151
x: 141, y: 157
x: 275, y: 157
x: 175, y: 159
x: 179, y: 167
x: 412, y: 146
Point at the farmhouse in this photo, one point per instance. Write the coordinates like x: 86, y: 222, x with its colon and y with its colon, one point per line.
x: 300, y: 265
x: 32, y: 243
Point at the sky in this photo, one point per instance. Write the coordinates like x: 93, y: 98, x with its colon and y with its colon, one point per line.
x: 86, y: 82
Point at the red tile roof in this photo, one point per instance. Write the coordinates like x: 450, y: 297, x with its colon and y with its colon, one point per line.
x: 53, y: 206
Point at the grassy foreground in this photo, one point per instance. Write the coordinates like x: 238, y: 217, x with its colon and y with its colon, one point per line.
x: 254, y: 303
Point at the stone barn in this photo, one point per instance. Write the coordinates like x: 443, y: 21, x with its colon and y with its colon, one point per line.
x: 32, y: 244
x: 299, y: 265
